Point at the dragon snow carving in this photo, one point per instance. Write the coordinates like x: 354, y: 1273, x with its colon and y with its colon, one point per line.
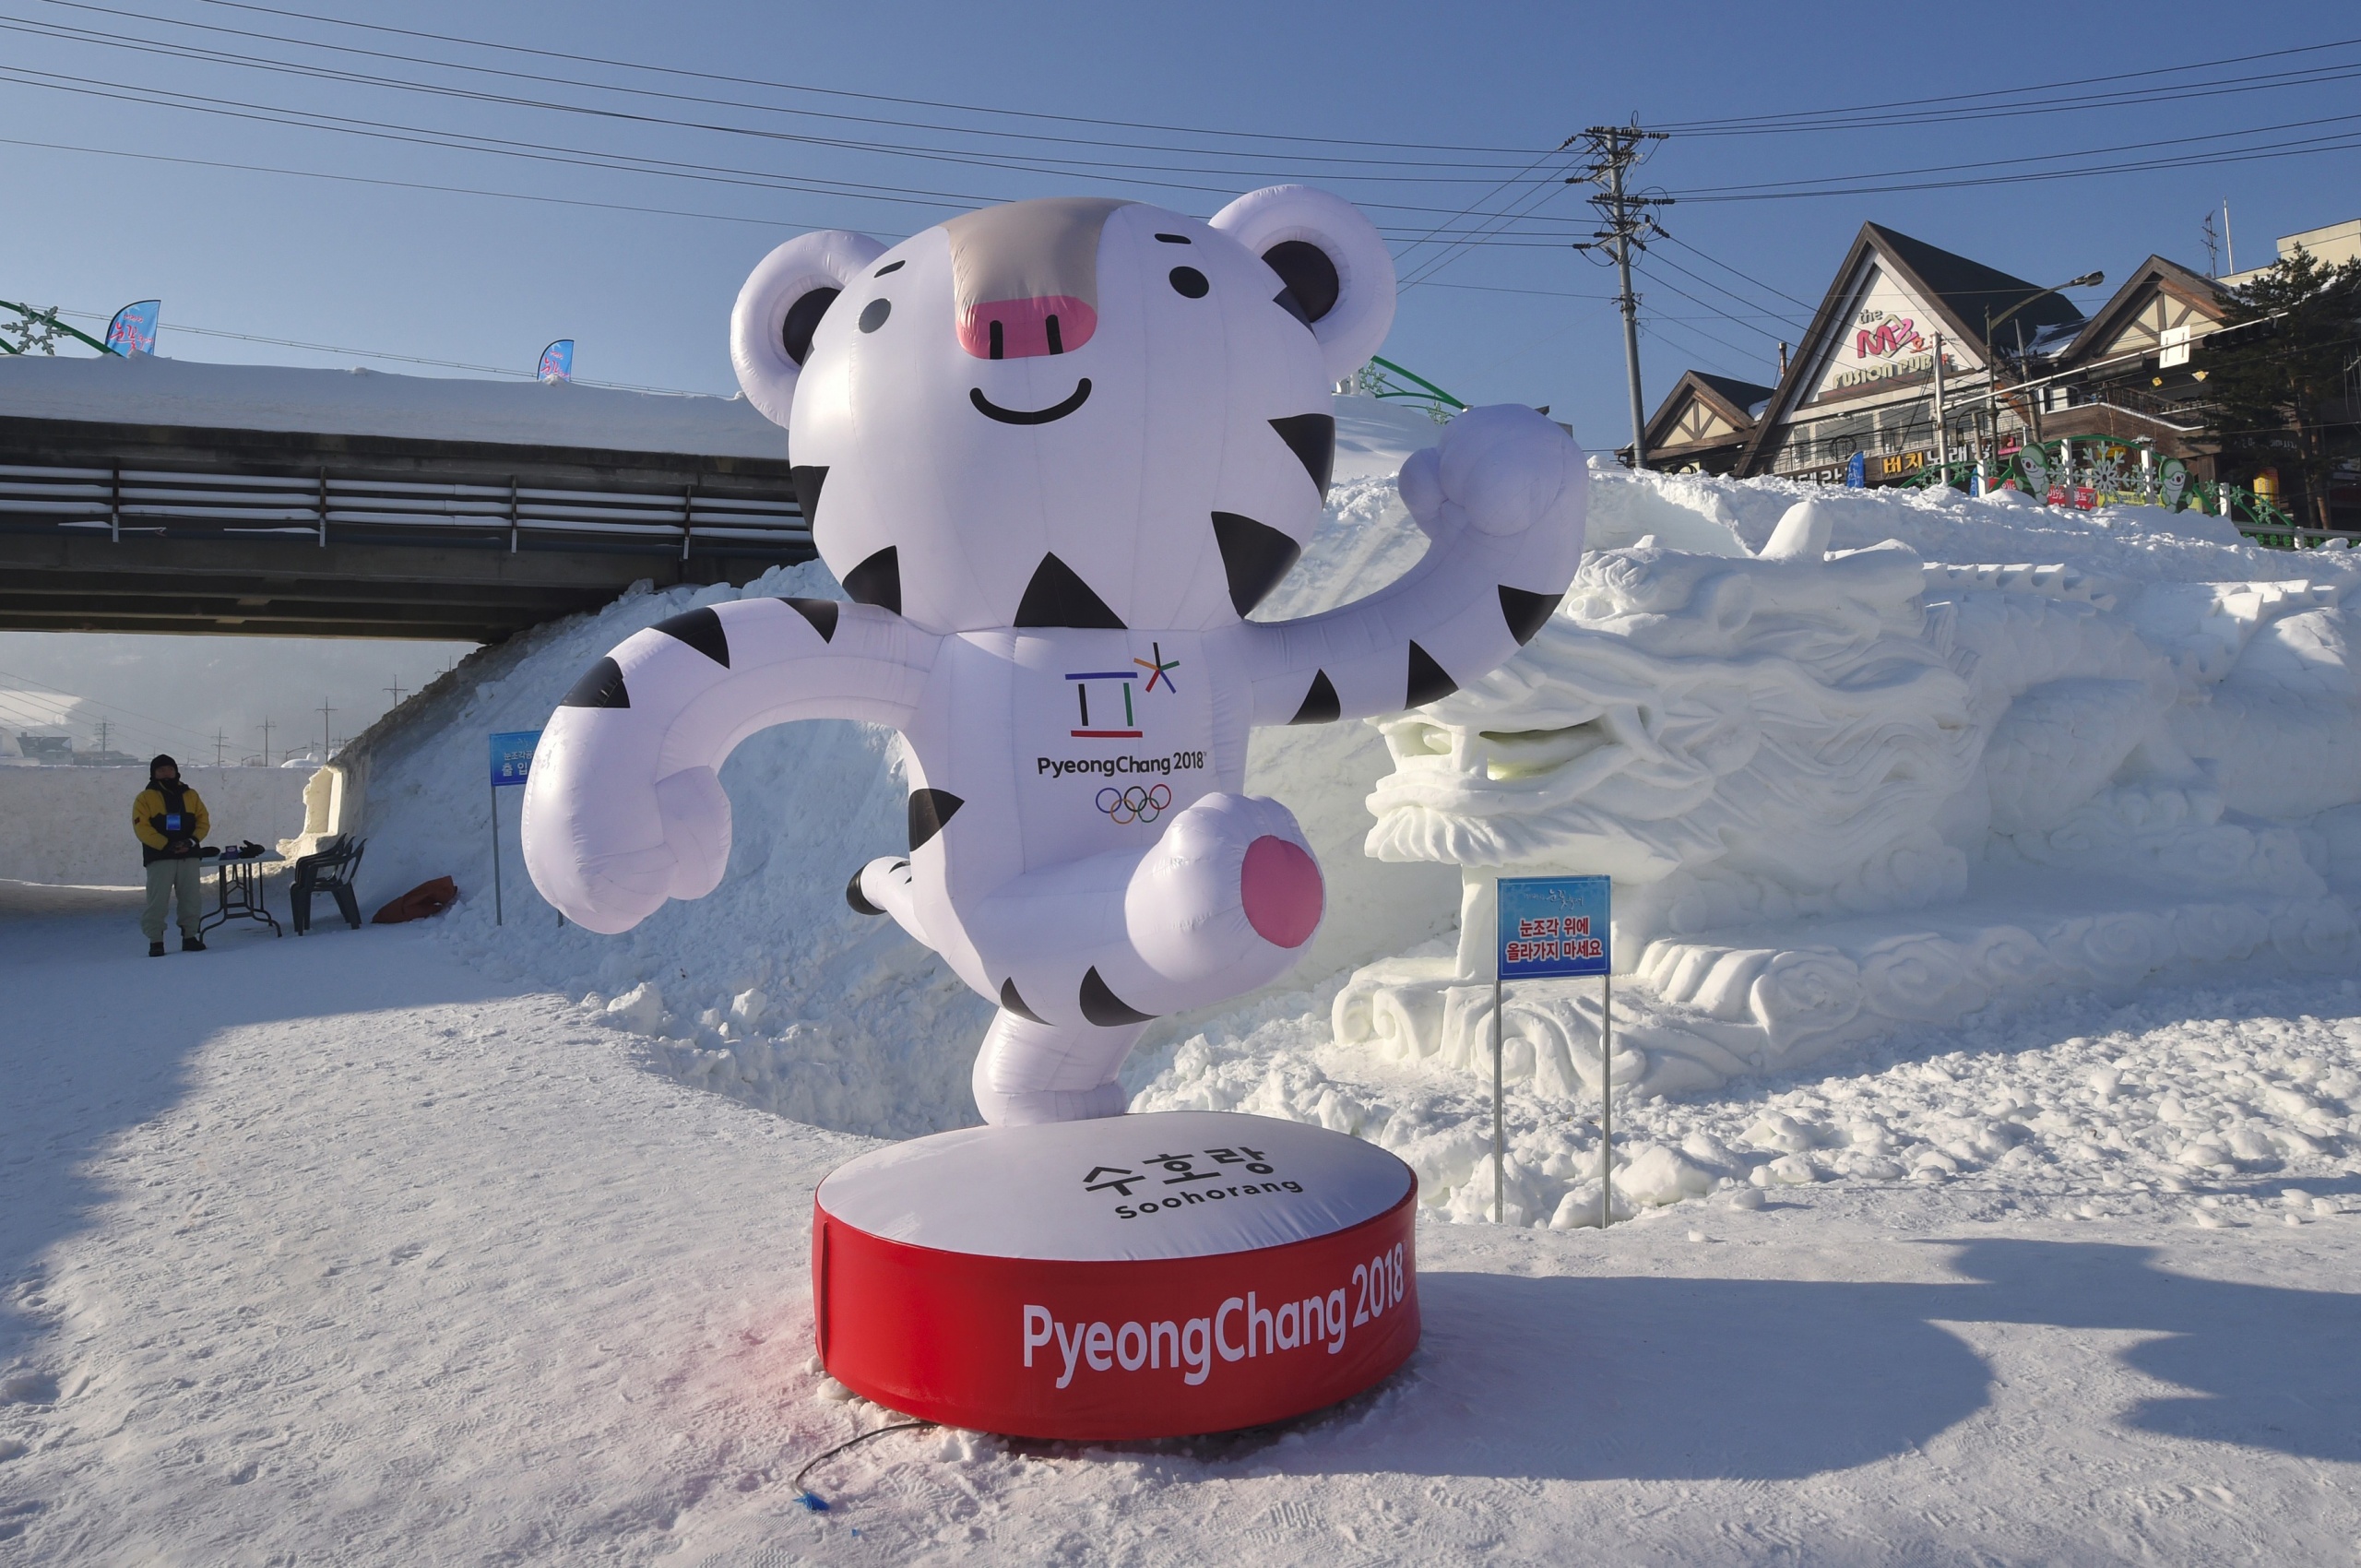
x: 1841, y: 793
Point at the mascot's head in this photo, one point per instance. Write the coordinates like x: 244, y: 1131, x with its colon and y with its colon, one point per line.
x: 1067, y: 413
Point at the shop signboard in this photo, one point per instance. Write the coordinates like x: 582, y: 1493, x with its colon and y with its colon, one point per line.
x: 1888, y: 336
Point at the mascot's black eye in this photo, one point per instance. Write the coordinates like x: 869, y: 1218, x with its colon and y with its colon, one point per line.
x: 873, y: 314
x: 802, y: 320
x: 1188, y: 283
x: 1313, y: 284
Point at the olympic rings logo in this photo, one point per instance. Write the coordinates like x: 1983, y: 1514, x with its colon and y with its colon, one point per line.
x: 1138, y: 804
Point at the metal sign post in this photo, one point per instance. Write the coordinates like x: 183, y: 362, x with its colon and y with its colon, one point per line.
x: 1549, y: 928
x: 511, y: 760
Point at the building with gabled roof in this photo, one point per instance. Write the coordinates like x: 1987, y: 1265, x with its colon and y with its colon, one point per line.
x: 1864, y: 378
x: 1704, y: 423
x: 2129, y: 375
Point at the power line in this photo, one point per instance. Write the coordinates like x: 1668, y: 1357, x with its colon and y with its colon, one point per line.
x: 1702, y: 281
x: 839, y: 92
x: 1734, y: 272
x: 2077, y: 88
x: 1394, y: 170
x: 1649, y: 323
x: 43, y: 688
x: 2295, y: 149
x: 1723, y: 315
x: 554, y: 153
x: 114, y: 40
x: 399, y: 184
x: 2145, y: 143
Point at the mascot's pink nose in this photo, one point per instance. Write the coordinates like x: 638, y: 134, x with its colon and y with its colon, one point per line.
x: 1281, y: 889
x: 1019, y: 330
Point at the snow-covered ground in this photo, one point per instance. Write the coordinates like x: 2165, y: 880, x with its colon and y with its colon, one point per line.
x: 339, y: 1251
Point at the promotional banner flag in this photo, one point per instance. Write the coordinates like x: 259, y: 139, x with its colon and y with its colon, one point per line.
x: 132, y: 331
x: 557, y: 362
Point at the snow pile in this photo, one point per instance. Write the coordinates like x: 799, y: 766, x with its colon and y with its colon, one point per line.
x: 2070, y: 776
x: 773, y: 991
x: 2077, y: 1110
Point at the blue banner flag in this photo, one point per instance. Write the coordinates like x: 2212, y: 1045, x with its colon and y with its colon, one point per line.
x: 1856, y: 472
x: 1553, y: 926
x: 512, y: 757
x: 132, y: 331
x: 557, y: 362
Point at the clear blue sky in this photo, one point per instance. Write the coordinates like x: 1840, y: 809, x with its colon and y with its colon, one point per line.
x: 487, y: 280
x: 1259, y: 93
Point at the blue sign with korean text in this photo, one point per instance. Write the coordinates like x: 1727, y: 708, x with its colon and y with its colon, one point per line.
x: 1856, y: 472
x: 512, y: 757
x: 557, y: 362
x: 1552, y: 926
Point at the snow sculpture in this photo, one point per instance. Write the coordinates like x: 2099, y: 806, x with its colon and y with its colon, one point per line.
x: 2067, y: 781
x: 1056, y: 451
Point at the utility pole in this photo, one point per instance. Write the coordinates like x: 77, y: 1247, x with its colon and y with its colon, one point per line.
x: 325, y: 711
x: 266, y: 742
x: 394, y: 692
x: 219, y: 741
x: 102, y: 736
x: 1942, y: 425
x: 1613, y: 150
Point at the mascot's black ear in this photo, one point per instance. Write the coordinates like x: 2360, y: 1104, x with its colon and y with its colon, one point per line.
x: 780, y: 307
x: 1336, y: 275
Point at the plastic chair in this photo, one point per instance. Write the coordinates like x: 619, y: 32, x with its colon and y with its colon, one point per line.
x: 329, y: 870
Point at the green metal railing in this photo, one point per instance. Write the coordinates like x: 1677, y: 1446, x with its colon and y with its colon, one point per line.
x: 2114, y: 482
x: 1375, y: 379
x: 39, y: 329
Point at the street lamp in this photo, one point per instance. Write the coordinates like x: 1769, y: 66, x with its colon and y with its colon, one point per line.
x: 1991, y: 375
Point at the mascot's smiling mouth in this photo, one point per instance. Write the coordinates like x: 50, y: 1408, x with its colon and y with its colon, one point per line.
x: 991, y: 409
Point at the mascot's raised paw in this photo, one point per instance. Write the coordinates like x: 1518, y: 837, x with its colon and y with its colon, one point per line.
x: 1500, y: 471
x: 1226, y: 899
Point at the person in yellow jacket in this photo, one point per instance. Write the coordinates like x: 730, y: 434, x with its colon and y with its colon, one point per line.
x: 172, y: 822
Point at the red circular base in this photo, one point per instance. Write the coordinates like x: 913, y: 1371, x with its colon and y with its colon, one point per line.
x: 1154, y: 1276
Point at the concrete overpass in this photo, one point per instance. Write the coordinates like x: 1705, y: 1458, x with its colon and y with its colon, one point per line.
x: 151, y: 496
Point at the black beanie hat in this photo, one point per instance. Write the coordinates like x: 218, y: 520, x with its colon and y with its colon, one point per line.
x: 162, y: 760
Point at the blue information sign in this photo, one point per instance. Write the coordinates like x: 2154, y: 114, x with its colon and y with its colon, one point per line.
x: 512, y: 757
x: 1554, y: 925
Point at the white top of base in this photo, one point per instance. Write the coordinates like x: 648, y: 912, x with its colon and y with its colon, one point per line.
x: 1167, y: 1184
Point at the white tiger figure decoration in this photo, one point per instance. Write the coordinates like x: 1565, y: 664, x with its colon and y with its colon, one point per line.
x: 1056, y: 451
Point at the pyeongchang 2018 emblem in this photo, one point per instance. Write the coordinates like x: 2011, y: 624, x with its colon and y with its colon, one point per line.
x: 1138, y: 804
x: 1159, y: 671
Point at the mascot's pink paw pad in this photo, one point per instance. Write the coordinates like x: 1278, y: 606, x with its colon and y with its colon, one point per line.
x: 1281, y: 888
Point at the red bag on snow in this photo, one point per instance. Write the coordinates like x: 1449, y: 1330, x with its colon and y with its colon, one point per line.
x: 426, y: 899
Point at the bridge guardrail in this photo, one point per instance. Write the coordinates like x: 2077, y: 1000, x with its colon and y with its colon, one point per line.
x: 361, y: 509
